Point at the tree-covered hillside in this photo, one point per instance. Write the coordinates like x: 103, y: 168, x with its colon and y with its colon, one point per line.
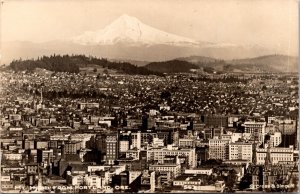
x: 173, y: 66
x: 66, y: 63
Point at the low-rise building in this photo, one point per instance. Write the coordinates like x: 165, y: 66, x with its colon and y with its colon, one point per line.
x: 174, y: 169
x: 278, y: 154
x: 199, y: 170
x: 159, y: 154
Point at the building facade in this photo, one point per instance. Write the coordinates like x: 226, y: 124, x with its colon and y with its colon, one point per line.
x: 218, y: 149
x: 240, y: 151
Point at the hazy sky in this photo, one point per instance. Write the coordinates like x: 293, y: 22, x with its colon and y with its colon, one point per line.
x: 270, y: 23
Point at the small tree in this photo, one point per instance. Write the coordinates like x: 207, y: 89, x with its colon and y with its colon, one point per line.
x: 246, y: 181
x: 231, y: 180
x: 105, y: 71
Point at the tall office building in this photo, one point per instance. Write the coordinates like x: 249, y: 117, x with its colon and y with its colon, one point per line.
x: 111, y: 148
x: 136, y: 140
x: 240, y: 151
x: 218, y: 149
x: 216, y: 121
x: 256, y: 129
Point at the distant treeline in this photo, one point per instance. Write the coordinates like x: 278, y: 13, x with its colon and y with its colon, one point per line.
x: 172, y: 66
x: 55, y: 63
x: 67, y: 63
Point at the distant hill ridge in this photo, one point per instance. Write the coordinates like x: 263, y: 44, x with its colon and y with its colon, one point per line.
x: 72, y: 63
x: 198, y: 59
x: 67, y: 63
x: 273, y: 63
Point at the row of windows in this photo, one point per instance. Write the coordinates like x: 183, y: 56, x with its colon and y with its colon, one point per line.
x: 243, y: 154
x: 277, y: 155
x: 165, y: 168
x: 277, y: 158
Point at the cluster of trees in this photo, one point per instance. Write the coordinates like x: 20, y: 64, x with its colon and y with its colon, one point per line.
x: 72, y: 63
x: 55, y: 63
x: 208, y: 70
x: 173, y: 66
x: 123, y: 66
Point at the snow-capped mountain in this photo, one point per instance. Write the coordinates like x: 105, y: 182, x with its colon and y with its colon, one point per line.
x: 128, y: 38
x: 130, y: 30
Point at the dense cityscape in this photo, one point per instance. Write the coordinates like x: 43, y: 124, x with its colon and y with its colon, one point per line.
x: 164, y: 96
x: 178, y: 132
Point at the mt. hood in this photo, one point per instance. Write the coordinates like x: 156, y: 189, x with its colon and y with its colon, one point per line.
x: 130, y: 30
x: 128, y: 38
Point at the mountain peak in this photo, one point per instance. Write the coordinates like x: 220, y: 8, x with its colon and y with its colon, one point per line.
x: 126, y: 17
x: 130, y: 30
x: 126, y: 20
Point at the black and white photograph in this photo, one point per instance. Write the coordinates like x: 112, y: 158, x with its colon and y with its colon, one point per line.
x: 149, y: 96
